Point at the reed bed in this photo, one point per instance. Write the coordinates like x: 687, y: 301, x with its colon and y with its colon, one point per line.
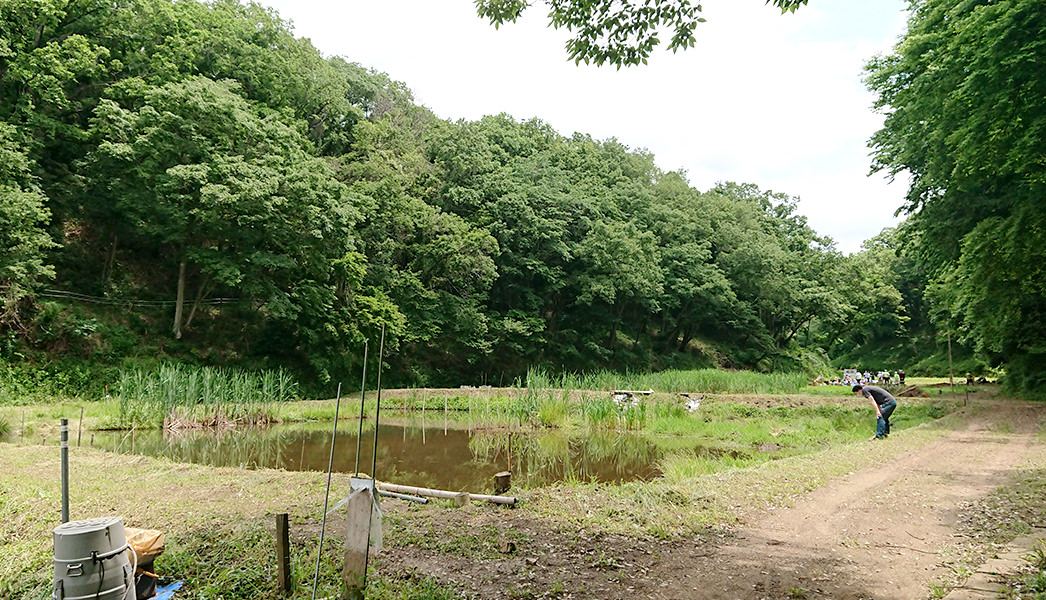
x: 711, y: 381
x: 176, y: 397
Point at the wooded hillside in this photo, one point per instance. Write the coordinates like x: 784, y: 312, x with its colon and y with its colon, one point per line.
x: 216, y: 191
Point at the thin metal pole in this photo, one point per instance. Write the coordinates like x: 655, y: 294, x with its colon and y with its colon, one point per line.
x: 374, y: 462
x: 377, y: 410
x: 363, y: 398
x: 80, y: 429
x: 326, y: 495
x: 65, y: 470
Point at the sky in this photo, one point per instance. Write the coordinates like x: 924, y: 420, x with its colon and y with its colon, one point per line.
x: 764, y: 98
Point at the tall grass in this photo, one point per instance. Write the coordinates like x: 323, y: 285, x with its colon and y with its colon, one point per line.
x: 174, y: 396
x: 713, y: 381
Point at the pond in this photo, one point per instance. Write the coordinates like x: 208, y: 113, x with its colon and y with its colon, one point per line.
x: 451, y: 458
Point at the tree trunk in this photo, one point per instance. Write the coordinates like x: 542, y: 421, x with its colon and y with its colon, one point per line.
x: 672, y: 338
x: 180, y: 302
x: 685, y: 341
x: 200, y: 294
x: 107, y: 270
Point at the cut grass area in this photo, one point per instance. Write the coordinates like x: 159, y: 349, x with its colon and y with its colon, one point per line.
x: 219, y: 521
x: 696, y: 496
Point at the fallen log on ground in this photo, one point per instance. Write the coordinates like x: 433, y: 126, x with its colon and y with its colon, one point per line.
x: 457, y: 496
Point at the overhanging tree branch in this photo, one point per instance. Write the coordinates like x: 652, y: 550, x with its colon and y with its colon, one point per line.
x: 619, y: 32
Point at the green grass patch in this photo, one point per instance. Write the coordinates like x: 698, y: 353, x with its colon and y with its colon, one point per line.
x: 218, y: 524
x: 713, y: 381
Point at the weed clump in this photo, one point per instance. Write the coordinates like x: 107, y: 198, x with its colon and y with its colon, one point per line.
x: 175, y: 396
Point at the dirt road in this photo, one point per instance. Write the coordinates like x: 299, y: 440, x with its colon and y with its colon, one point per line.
x: 885, y: 532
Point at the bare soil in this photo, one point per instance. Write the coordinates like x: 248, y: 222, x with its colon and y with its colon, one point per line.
x: 885, y: 532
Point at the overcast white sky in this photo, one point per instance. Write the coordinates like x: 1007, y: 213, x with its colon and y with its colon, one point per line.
x: 764, y: 98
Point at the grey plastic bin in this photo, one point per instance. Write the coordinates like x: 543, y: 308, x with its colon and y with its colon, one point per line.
x: 91, y: 561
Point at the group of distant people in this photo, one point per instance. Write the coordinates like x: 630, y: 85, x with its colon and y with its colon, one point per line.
x: 852, y: 377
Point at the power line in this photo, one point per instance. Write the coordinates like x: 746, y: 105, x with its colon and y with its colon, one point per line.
x: 130, y: 302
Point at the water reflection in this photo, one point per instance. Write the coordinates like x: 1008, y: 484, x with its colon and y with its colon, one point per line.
x: 441, y: 457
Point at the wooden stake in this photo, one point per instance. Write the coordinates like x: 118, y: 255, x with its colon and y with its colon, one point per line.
x: 283, y: 553
x: 357, y: 543
x: 502, y: 482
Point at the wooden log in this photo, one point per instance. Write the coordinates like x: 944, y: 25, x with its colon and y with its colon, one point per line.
x: 502, y: 482
x: 456, y: 496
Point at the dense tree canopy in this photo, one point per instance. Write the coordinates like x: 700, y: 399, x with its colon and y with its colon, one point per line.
x: 246, y: 200
x: 965, y: 96
x: 22, y: 235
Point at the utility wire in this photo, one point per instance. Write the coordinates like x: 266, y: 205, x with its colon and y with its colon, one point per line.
x: 66, y: 295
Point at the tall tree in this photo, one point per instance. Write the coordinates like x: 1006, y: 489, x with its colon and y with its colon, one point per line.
x: 232, y: 197
x: 965, y: 97
x: 23, y: 216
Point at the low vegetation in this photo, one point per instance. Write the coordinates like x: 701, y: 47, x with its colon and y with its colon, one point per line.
x: 218, y: 519
x: 176, y: 396
x: 1030, y: 581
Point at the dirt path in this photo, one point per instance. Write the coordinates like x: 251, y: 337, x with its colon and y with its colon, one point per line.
x: 880, y: 533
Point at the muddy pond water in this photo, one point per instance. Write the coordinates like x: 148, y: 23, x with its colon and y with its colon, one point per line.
x: 452, y: 458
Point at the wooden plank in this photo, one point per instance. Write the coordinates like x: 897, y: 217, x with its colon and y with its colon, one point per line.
x: 357, y: 542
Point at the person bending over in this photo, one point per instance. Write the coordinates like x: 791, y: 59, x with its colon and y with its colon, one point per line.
x: 884, y: 404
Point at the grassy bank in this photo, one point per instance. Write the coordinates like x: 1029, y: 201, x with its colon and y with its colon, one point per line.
x: 219, y: 521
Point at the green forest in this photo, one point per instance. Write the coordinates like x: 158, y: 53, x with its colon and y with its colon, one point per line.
x: 189, y: 182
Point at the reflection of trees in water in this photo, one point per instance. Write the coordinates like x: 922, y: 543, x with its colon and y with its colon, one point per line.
x: 241, y: 447
x: 411, y: 454
x: 542, y: 457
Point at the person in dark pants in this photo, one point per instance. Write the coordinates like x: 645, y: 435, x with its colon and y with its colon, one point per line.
x: 884, y: 403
